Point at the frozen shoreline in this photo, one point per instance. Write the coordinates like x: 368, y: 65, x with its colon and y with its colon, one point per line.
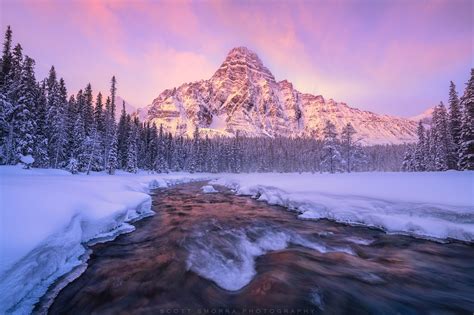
x: 426, y: 205
x: 47, y: 215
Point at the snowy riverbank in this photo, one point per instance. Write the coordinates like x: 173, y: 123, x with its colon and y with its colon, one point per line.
x: 47, y: 215
x: 431, y: 204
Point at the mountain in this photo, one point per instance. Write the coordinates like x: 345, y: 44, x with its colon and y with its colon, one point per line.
x: 425, y: 117
x: 129, y: 108
x: 243, y: 96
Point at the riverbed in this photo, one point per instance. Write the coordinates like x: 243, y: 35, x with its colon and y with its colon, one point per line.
x: 226, y: 253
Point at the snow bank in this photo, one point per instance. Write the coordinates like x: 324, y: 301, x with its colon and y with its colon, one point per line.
x: 47, y: 216
x: 434, y: 205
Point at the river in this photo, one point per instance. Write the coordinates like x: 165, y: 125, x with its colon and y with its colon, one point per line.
x: 218, y: 253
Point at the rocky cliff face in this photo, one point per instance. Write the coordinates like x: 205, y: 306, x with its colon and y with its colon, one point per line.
x: 243, y: 96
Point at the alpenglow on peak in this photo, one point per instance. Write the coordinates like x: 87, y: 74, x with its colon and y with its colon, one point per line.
x: 243, y: 97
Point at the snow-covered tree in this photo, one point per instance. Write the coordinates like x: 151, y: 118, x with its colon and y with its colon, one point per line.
x: 161, y: 164
x: 445, y: 154
x: 122, y: 137
x: 113, y: 94
x: 79, y: 148
x: 6, y: 129
x: 420, y: 151
x: 40, y: 152
x: 88, y: 110
x: 193, y: 165
x: 24, y: 122
x: 6, y: 60
x: 408, y: 164
x: 331, y: 154
x: 455, y: 120
x: 466, y: 145
x: 56, y: 120
x: 112, y: 161
x: 350, y: 151
x: 132, y: 149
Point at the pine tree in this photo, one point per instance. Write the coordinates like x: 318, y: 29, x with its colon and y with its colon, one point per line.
x: 348, y: 146
x: 122, y: 136
x: 88, y: 110
x: 161, y: 163
x: 113, y: 92
x: 73, y: 165
x: 70, y: 120
x: 79, y: 152
x: 131, y: 147
x: 420, y: 153
x: 92, y: 147
x: 112, y: 156
x: 466, y: 147
x: 408, y: 164
x: 430, y: 158
x: 99, y: 134
x: 58, y: 124
x: 193, y: 159
x: 6, y: 61
x: 40, y: 153
x: 6, y: 129
x: 152, y: 150
x: 12, y: 79
x: 57, y: 132
x: 455, y: 118
x: 24, y: 120
x: 99, y: 114
x: 331, y: 154
x: 445, y: 154
x: 110, y: 132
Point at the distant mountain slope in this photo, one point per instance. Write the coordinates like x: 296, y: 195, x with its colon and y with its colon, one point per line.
x: 129, y: 108
x: 425, y: 117
x: 243, y: 96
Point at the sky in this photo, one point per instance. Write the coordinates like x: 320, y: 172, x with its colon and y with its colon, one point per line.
x: 386, y: 56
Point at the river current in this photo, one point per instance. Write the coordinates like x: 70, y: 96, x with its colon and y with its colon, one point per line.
x: 218, y: 253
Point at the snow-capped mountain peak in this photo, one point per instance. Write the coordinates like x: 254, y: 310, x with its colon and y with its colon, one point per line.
x: 243, y: 96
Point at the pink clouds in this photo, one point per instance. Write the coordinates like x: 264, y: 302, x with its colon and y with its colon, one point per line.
x: 356, y: 51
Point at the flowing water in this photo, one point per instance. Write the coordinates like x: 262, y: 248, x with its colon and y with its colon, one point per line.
x: 225, y: 254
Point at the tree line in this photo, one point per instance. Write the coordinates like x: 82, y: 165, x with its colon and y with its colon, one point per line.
x: 80, y: 133
x: 448, y: 144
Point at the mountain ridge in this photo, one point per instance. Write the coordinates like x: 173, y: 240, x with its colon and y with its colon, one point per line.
x: 245, y: 95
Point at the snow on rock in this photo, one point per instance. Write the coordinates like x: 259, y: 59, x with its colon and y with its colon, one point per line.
x: 47, y: 216
x: 243, y: 97
x: 208, y: 189
x: 434, y: 205
x: 27, y: 159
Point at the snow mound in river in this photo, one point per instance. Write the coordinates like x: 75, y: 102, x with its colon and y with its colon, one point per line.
x: 208, y: 189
